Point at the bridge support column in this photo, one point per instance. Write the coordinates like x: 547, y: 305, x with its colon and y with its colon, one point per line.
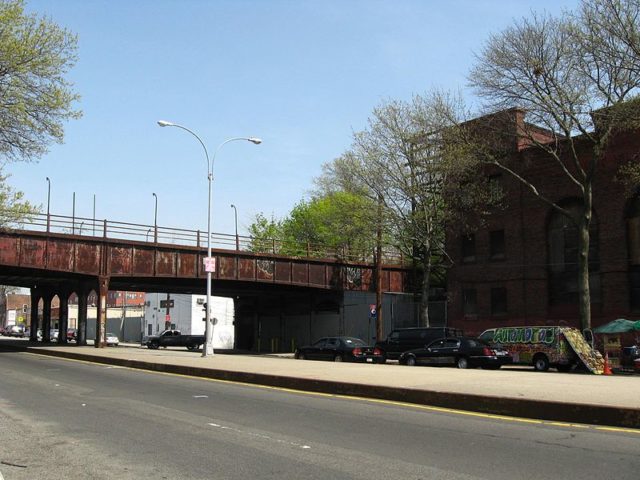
x: 35, y: 320
x: 81, y: 338
x: 63, y: 316
x: 101, y: 320
x: 46, y: 316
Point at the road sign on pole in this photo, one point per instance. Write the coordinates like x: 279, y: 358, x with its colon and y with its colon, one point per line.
x: 209, y: 264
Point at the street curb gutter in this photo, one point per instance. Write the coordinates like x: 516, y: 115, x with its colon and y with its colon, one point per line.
x: 513, y: 407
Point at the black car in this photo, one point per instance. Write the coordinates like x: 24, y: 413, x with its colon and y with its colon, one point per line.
x: 402, y: 340
x: 629, y: 356
x: 338, y: 349
x: 462, y: 352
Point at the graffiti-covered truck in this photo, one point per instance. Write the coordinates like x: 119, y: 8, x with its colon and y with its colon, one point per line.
x: 545, y: 346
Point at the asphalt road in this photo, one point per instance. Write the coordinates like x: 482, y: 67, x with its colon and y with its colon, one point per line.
x: 73, y: 420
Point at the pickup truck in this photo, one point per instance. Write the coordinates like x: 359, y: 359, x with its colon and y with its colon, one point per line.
x: 173, y: 338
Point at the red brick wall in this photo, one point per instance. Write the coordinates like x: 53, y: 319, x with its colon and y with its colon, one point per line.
x: 523, y: 272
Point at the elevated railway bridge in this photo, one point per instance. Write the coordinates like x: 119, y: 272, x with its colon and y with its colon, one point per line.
x: 59, y: 255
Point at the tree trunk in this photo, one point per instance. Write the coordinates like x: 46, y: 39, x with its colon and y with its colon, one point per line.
x: 584, y: 292
x: 424, y: 300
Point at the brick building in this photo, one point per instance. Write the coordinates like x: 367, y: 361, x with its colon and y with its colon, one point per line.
x: 16, y: 307
x: 519, y: 267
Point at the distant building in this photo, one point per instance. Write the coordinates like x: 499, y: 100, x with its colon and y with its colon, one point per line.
x: 17, y: 307
x: 186, y: 313
x: 114, y: 299
x: 520, y: 266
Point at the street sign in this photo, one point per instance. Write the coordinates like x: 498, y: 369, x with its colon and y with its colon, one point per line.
x: 209, y: 264
x: 372, y: 311
x: 163, y: 303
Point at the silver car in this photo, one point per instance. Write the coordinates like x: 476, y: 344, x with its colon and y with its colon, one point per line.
x: 112, y: 340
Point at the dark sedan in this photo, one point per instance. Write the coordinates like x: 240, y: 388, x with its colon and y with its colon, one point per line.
x: 462, y: 352
x: 338, y: 349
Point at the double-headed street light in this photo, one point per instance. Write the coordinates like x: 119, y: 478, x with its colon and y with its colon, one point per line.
x: 48, y: 204
x: 209, y: 266
x: 155, y: 220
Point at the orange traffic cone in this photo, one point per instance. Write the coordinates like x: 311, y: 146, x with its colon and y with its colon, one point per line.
x: 607, y: 368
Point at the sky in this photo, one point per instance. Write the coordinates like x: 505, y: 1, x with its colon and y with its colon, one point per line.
x: 300, y: 75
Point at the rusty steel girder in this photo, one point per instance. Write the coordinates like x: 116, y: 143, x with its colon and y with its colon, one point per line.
x: 106, y: 257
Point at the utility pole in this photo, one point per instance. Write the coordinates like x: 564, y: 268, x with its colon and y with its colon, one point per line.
x: 379, y: 324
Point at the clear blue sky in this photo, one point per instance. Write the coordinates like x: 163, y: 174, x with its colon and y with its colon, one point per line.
x: 301, y: 75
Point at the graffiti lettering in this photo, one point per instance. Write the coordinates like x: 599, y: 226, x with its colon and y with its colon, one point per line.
x: 524, y: 335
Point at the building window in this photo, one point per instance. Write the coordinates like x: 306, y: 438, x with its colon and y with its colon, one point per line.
x: 496, y: 191
x: 468, y: 248
x: 498, y: 301
x: 562, y: 239
x: 469, y: 301
x: 633, y: 242
x: 496, y: 245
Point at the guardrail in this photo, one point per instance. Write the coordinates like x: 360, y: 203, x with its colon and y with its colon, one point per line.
x: 156, y: 234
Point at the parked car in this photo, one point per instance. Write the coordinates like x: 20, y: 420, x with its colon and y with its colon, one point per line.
x: 15, y: 331
x: 401, y: 340
x: 462, y: 352
x: 339, y: 349
x: 72, y: 334
x: 173, y: 338
x: 53, y: 335
x: 630, y: 356
x: 112, y: 340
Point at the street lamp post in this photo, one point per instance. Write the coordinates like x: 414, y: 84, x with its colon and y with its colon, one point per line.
x: 73, y: 215
x: 155, y: 221
x: 235, y: 211
x: 209, y: 267
x: 48, y: 204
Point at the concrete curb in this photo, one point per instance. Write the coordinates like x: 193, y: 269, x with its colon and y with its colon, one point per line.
x: 534, y: 409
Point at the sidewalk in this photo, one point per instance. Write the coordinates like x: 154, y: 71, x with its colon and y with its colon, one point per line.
x: 522, y: 392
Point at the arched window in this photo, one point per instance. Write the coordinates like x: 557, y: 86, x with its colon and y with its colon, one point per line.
x: 633, y: 241
x: 562, y: 240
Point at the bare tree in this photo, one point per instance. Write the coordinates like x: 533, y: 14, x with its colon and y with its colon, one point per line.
x: 575, y: 78
x: 396, y: 161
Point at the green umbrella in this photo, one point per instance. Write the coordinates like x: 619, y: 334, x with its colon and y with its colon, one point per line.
x: 619, y: 325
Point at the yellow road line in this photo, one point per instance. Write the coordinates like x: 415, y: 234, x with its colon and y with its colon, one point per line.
x: 414, y: 406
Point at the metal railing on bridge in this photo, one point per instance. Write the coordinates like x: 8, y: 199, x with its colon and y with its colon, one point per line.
x: 89, y: 227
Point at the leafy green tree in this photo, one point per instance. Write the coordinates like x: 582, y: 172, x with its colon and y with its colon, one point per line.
x: 337, y: 223
x: 14, y: 208
x: 35, y: 98
x: 264, y: 235
x: 331, y: 225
